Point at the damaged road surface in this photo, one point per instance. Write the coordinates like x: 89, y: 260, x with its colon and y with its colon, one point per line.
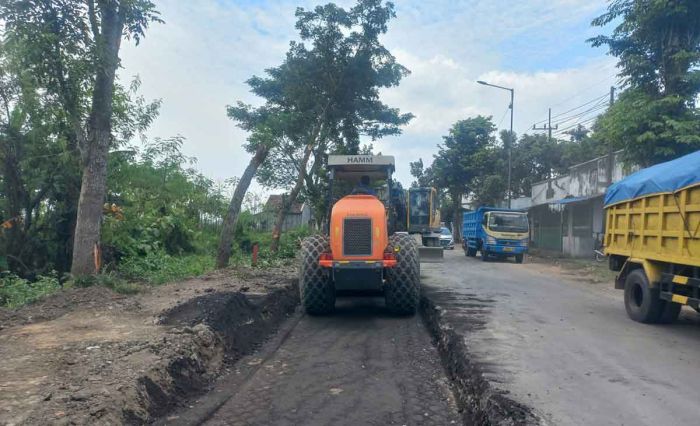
x: 359, y: 366
x: 563, y: 346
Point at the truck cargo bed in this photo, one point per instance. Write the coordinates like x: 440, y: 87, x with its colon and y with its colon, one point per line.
x: 663, y: 227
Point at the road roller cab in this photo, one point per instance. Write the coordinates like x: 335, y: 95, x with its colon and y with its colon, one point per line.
x: 361, y: 250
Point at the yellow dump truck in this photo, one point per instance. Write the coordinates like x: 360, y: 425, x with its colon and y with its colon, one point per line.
x: 652, y: 238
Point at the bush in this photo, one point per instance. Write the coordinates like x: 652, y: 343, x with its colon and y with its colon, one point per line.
x: 16, y: 291
x: 290, y: 243
x: 158, y: 267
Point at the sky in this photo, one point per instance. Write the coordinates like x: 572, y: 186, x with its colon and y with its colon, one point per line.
x: 198, y: 62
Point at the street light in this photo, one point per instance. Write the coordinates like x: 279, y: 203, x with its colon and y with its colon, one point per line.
x: 510, y: 139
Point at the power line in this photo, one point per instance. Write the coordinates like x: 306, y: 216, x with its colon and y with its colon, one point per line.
x: 573, y: 109
x: 502, y: 117
x: 563, y: 130
x: 585, y: 117
x: 595, y: 108
x: 597, y: 83
x: 548, y: 127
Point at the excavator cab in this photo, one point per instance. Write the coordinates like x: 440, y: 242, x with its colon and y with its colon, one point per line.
x: 424, y: 223
x: 362, y: 250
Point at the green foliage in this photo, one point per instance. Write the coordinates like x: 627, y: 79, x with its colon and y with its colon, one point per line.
x: 158, y: 203
x: 657, y: 43
x: 472, y: 163
x: 158, y: 267
x: 16, y: 291
x: 324, y: 97
x: 650, y: 130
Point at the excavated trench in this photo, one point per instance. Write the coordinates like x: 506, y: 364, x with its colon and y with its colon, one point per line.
x: 224, y: 326
x: 478, y: 401
x: 241, y: 323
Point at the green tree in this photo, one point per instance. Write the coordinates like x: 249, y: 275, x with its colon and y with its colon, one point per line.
x: 423, y: 175
x: 73, y: 48
x: 266, y: 129
x: 327, y: 90
x: 343, y: 70
x: 456, y: 164
x: 657, y: 43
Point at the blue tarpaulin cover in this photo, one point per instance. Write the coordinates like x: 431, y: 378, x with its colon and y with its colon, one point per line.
x: 666, y: 177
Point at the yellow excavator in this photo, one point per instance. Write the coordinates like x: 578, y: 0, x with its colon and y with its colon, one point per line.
x: 423, y: 223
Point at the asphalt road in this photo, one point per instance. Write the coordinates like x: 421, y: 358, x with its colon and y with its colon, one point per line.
x: 360, y: 366
x: 566, y: 347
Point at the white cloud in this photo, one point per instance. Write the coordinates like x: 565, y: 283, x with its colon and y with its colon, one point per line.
x: 199, y: 60
x: 436, y: 109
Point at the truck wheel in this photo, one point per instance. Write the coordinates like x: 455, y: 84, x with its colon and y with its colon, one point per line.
x: 402, y: 292
x: 471, y: 252
x: 316, y: 289
x: 519, y: 258
x: 484, y: 255
x: 670, y: 312
x: 642, y: 302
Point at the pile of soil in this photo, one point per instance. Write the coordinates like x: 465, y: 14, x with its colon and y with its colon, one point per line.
x: 85, y: 356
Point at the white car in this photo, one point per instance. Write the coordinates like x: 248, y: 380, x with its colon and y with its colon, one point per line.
x: 446, y: 240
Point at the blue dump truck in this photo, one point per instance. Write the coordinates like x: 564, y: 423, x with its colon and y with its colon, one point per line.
x: 495, y: 233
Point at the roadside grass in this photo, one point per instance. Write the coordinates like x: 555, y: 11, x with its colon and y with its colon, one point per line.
x: 16, y: 291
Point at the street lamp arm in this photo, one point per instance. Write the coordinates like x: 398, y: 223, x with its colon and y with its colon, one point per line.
x: 494, y: 85
x: 510, y: 136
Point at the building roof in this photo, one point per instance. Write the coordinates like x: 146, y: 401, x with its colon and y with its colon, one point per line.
x: 274, y: 203
x: 667, y: 177
x: 571, y: 200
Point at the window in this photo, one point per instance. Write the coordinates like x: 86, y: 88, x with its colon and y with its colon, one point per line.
x: 508, y: 222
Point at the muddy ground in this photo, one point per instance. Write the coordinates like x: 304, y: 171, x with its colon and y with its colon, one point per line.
x: 91, y: 356
x: 359, y: 366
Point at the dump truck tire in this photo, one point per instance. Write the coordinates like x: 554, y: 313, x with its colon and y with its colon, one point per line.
x: 484, y: 256
x: 670, y: 312
x: 519, y: 258
x: 316, y: 289
x: 402, y: 292
x: 641, y: 301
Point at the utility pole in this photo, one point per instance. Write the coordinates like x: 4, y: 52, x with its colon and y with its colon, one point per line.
x: 611, y: 152
x: 510, y: 148
x: 612, y: 95
x: 548, y: 127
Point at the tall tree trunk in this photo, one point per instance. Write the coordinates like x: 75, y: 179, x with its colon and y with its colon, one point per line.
x: 457, y: 216
x: 290, y: 200
x: 86, y: 260
x: 16, y: 196
x: 234, y: 208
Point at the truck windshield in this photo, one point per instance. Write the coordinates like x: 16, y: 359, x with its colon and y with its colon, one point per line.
x: 508, y: 222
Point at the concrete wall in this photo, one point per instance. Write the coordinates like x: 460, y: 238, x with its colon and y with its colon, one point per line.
x: 587, y: 179
x: 581, y: 222
x: 521, y: 203
x: 550, y: 190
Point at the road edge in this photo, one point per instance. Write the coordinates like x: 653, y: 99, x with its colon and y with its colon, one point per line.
x: 478, y: 401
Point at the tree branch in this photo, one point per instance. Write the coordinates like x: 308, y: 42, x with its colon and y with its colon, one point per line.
x: 93, y: 19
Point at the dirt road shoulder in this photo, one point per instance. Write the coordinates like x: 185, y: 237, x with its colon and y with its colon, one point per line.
x: 88, y: 356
